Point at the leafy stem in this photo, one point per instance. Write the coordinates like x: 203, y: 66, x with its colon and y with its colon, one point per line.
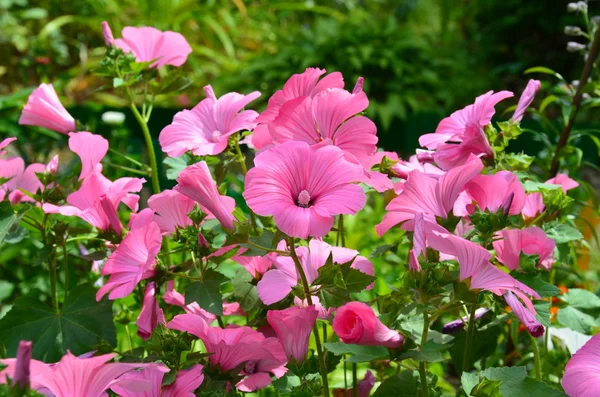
x: 469, y: 342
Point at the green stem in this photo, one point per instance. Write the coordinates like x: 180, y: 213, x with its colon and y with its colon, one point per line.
x: 53, y: 290
x: 536, y: 357
x: 149, y: 147
x: 66, y: 268
x: 131, y: 159
x: 354, y: 380
x: 242, y: 162
x: 469, y: 342
x: 306, y: 286
x: 129, y: 337
x: 345, y: 377
x: 128, y: 169
x: 260, y: 247
x: 423, y: 364
x: 340, y: 236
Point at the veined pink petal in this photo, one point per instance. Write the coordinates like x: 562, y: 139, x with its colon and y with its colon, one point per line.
x: 533, y: 86
x: 90, y: 148
x: 148, y: 44
x: 525, y: 316
x: 470, y: 256
x: 564, y: 181
x: 530, y: 241
x: 171, y: 209
x: 152, y: 375
x: 582, y: 375
x: 334, y: 106
x: 293, y: 327
x: 108, y: 36
x: 534, y: 205
x: 196, y: 183
x: 151, y: 314
x: 490, y: 191
x: 256, y: 265
x: 43, y: 109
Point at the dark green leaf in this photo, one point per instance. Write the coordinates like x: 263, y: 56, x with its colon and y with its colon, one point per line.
x: 403, y: 384
x: 206, y: 292
x: 359, y: 353
x: 244, y: 292
x: 513, y: 383
x: 9, y: 220
x: 542, y: 287
x: 81, y: 324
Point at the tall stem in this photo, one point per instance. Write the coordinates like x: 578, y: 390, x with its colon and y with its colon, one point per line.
x: 469, y: 343
x: 242, y: 162
x: 585, y: 75
x: 149, y: 147
x: 423, y: 364
x: 536, y: 357
x: 66, y: 268
x: 306, y: 287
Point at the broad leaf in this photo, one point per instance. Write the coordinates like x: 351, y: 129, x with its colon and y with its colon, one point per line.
x: 244, y: 292
x: 403, y: 384
x: 542, y: 287
x: 576, y: 319
x: 358, y: 353
x: 513, y: 383
x: 81, y: 324
x: 581, y: 299
x: 206, y: 292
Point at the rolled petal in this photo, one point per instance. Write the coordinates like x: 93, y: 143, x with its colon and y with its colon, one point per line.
x: 533, y: 86
x: 43, y: 109
x: 293, y: 327
x: 151, y: 314
x: 525, y: 316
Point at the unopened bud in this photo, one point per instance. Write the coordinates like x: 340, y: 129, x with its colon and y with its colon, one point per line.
x: 22, y: 364
x: 573, y: 31
x: 425, y: 156
x: 575, y: 47
x: 579, y: 6
x: 507, y: 203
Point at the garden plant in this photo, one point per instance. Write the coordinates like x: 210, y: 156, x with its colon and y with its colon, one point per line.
x: 289, y: 255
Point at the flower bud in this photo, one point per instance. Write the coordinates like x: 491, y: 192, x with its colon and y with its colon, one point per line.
x: 22, y: 366
x: 573, y: 31
x: 580, y: 6
x: 575, y: 47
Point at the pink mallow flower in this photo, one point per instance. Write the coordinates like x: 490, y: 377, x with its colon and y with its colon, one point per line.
x: 257, y: 373
x: 97, y: 200
x: 303, y: 188
x: 185, y: 383
x: 134, y: 258
x: 90, y: 148
x: 17, y: 177
x: 255, y: 265
x: 196, y: 182
x: 453, y: 128
x: 277, y: 283
x: 330, y: 117
x: 501, y: 190
x: 526, y: 317
x: 150, y: 44
x: 172, y: 297
x: 151, y: 314
x: 293, y: 327
x: 171, y: 210
x: 527, y: 97
x: 43, y: 109
x: 534, y: 203
x: 356, y: 323
x: 582, y: 373
x: 75, y: 376
x: 205, y: 130
x: 305, y: 84
x: 229, y: 347
x: 530, y: 241
x: 428, y: 195
x: 474, y: 142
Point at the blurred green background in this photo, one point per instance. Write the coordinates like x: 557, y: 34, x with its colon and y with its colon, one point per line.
x: 421, y: 59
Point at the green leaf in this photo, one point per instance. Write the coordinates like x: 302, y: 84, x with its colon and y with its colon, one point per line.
x: 81, y: 324
x: 245, y: 293
x: 175, y: 165
x: 118, y: 82
x: 581, y: 299
x: 6, y: 289
x: 535, y: 282
x: 513, y: 383
x: 576, y: 319
x: 487, y: 388
x: 562, y: 232
x: 403, y: 384
x: 343, y: 276
x: 206, y: 292
x: 359, y: 353
x: 484, y: 345
x: 544, y: 70
x: 542, y: 309
x: 267, y: 239
x: 9, y: 220
x: 431, y: 352
x: 518, y: 161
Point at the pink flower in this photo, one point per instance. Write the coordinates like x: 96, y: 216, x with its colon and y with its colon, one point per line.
x: 172, y: 297
x: 525, y: 316
x: 229, y: 347
x: 474, y: 141
x: 205, y: 130
x: 134, y: 258
x: 256, y: 265
x: 232, y: 309
x: 185, y: 383
x: 5, y: 143
x: 23, y: 361
x: 530, y: 241
x: 277, y: 283
x: 43, y: 109
x: 582, y: 373
x: 494, y: 192
x: 196, y: 183
x: 428, y: 195
x: 453, y: 128
x: 330, y: 117
x: 356, y: 323
x: 90, y: 148
x: 366, y: 385
x: 533, y: 86
x: 97, y: 200
x: 564, y: 181
x: 306, y: 84
x: 257, y: 372
x: 151, y: 314
x: 74, y: 376
x: 171, y: 210
x: 303, y: 188
x: 403, y: 168
x: 149, y: 44
x: 13, y: 169
x: 293, y: 327
x: 534, y: 205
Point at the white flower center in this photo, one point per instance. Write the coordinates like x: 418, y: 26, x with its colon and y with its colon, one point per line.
x: 216, y: 135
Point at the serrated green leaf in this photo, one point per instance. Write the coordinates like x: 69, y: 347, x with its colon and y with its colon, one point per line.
x: 207, y: 292
x: 81, y: 324
x: 403, y: 384
x: 576, y: 319
x: 359, y: 353
x: 581, y: 299
x: 562, y: 232
x: 513, y: 383
x: 244, y: 292
x: 535, y: 282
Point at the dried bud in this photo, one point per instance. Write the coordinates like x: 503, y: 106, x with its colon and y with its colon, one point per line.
x: 573, y: 31
x: 575, y: 47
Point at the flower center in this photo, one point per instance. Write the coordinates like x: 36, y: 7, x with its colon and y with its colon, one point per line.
x: 303, y: 199
x: 250, y: 367
x: 216, y: 135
